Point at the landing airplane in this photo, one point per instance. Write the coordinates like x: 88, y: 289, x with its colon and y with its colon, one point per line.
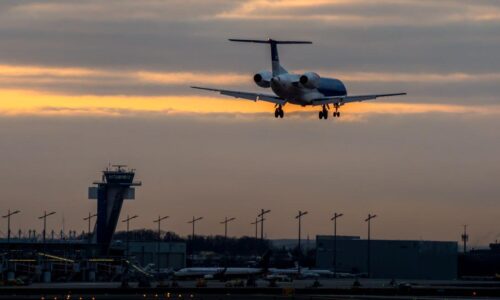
x: 308, y: 89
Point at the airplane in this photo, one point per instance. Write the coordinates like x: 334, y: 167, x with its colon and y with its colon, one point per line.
x: 308, y: 89
x: 216, y: 272
x: 152, y: 269
x: 225, y: 272
x: 302, y: 273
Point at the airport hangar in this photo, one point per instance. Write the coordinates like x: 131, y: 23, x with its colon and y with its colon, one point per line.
x: 399, y: 259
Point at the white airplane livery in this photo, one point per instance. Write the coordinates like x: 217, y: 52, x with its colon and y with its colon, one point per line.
x: 308, y: 89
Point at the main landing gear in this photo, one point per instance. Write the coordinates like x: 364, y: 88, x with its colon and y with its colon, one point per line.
x: 279, y: 113
x: 336, y: 113
x: 323, y: 114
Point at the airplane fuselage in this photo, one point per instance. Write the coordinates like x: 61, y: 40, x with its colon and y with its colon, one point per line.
x: 287, y: 86
x: 209, y: 272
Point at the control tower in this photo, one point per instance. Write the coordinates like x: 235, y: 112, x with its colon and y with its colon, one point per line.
x: 116, y: 185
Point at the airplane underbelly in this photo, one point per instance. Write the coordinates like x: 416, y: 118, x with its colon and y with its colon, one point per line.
x: 292, y: 94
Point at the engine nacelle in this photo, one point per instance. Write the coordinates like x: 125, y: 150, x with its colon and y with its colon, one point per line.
x: 263, y: 79
x: 310, y: 80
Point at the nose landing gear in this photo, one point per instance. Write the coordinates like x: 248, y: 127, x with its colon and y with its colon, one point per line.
x: 279, y: 113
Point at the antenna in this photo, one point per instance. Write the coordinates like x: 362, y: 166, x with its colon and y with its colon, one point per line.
x: 119, y: 167
x: 465, y: 238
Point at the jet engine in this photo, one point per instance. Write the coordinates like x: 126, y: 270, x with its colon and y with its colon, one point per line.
x: 263, y: 79
x: 310, y: 80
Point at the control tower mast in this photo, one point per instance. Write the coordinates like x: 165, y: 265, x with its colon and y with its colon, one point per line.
x: 116, y: 185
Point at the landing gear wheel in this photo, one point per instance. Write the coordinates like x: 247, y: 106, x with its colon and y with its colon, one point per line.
x: 338, y: 114
x: 323, y: 114
x: 279, y: 113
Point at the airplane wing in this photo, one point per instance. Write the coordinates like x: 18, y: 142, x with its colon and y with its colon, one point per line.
x: 346, y: 99
x: 246, y: 95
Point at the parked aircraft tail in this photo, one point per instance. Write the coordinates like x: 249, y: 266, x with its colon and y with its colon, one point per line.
x: 264, y: 262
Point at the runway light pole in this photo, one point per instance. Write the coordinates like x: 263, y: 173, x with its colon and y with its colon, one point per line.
x: 159, y: 240
x: 125, y: 273
x: 256, y: 223
x: 193, y: 222
x: 44, y: 217
x: 368, y: 254
x: 8, y: 215
x: 261, y: 216
x: 334, y: 219
x: 127, y: 220
x: 89, y: 218
x: 299, y: 217
x: 226, y: 220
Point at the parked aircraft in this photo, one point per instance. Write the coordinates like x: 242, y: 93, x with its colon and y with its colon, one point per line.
x: 224, y: 272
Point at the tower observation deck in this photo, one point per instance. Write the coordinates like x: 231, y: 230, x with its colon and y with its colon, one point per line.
x: 116, y: 185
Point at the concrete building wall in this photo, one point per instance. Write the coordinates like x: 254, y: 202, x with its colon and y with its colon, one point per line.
x: 390, y: 258
x: 172, y: 255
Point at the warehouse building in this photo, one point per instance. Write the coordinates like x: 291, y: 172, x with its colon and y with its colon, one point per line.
x: 399, y: 259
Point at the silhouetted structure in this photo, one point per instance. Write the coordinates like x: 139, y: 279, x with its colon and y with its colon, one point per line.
x: 404, y: 259
x: 116, y: 185
x: 480, y: 262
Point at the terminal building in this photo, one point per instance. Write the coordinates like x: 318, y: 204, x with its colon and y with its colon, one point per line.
x: 398, y: 259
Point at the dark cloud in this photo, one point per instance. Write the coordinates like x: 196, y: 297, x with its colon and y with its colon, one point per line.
x: 181, y: 36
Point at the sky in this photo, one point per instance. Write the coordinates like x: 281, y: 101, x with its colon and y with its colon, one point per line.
x: 88, y: 83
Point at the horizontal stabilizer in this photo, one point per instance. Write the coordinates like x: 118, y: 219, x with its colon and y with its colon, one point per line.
x: 270, y: 41
x: 276, y: 66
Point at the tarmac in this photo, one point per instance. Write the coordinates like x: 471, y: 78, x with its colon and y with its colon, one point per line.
x: 298, y: 289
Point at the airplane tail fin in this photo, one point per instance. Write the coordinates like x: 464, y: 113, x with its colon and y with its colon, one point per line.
x: 276, y: 67
x: 264, y: 262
